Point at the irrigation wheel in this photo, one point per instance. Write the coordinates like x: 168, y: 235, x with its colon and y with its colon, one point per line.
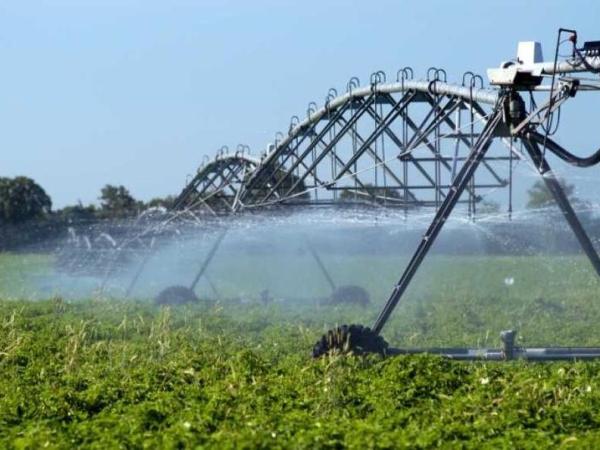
x: 354, y: 339
x: 176, y: 295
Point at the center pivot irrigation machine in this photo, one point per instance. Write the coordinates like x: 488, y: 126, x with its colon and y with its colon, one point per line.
x: 409, y: 144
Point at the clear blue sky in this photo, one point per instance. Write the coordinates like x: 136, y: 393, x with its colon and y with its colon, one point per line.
x: 136, y: 92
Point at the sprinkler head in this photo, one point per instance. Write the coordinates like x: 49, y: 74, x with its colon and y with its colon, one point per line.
x: 508, y: 343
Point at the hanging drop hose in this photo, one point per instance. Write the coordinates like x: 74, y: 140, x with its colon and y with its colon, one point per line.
x: 563, y: 154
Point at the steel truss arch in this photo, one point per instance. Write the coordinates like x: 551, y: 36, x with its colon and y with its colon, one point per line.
x: 218, y: 184
x: 409, y: 144
x: 379, y: 144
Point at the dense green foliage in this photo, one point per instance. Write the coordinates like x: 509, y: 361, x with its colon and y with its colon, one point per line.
x: 116, y: 201
x: 539, y: 196
x: 22, y: 199
x: 105, y: 373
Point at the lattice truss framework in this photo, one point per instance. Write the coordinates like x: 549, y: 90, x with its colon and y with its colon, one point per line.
x: 409, y: 144
x: 218, y: 185
x: 392, y: 144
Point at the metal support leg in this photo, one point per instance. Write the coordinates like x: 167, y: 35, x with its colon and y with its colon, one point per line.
x: 456, y: 189
x: 208, y: 259
x: 110, y: 270
x: 212, y: 286
x: 561, y: 198
x: 138, y: 273
x: 319, y: 261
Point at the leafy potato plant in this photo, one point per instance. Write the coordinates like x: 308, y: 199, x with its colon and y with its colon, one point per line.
x: 116, y: 374
x: 101, y: 373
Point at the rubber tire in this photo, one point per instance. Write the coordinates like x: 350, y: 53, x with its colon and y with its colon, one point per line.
x: 176, y: 295
x: 350, y: 339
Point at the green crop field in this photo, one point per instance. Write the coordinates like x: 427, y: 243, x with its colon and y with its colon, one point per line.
x: 105, y: 372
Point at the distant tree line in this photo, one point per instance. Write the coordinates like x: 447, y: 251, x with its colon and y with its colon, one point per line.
x: 26, y: 214
x: 23, y: 200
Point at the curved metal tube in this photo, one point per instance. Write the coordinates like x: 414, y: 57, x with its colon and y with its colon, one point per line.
x: 315, y: 113
x: 563, y: 154
x: 486, y: 96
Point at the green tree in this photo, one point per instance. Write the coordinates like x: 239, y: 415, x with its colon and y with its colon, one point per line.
x: 540, y: 196
x: 22, y: 199
x: 166, y: 202
x: 78, y: 213
x: 117, y: 202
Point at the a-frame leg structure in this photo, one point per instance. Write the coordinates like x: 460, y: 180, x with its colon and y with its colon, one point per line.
x: 369, y: 340
x: 201, y: 271
x: 208, y: 259
x: 562, y: 200
x: 313, y: 251
x: 458, y: 186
